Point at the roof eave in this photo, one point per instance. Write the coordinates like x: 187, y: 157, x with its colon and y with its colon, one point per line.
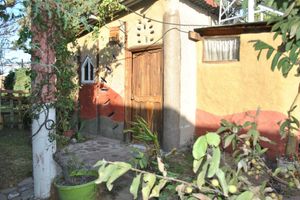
x: 235, y: 29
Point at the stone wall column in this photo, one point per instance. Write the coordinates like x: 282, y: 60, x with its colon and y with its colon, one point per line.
x: 171, y: 44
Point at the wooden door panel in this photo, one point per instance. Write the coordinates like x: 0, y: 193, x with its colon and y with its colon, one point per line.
x: 147, y: 88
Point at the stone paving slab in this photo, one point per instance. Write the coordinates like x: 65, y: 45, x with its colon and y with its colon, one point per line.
x: 23, y: 191
x: 89, y: 152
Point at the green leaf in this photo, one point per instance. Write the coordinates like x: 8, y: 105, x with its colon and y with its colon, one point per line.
x: 260, y: 45
x: 221, y: 129
x: 200, y: 147
x: 247, y: 195
x: 149, y: 181
x: 228, y: 140
x: 259, y: 54
x: 135, y: 186
x: 121, y: 169
x: 288, y: 11
x: 247, y: 123
x: 221, y: 176
x: 293, y: 55
x: 276, y: 26
x: 213, y: 139
x: 264, y: 150
x: 201, y: 176
x: 265, y: 139
x: 269, y: 53
x: 298, y: 34
x: 105, y: 173
x: 156, y: 190
x: 275, y: 60
x: 196, y: 164
x: 161, y: 166
x: 255, y: 134
x: 215, y: 162
x: 100, y: 163
x: 242, y: 165
x: 296, y: 121
x: 275, y: 35
x: 289, y: 45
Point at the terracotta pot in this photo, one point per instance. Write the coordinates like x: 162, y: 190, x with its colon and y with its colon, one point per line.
x: 69, y: 133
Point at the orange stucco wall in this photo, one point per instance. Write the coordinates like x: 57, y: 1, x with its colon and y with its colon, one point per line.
x: 100, y: 100
x: 235, y: 90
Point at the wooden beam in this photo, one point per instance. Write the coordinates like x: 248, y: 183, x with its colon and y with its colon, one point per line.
x: 236, y: 29
x: 194, y: 36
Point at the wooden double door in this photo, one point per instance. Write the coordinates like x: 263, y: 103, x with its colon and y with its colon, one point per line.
x: 147, y: 87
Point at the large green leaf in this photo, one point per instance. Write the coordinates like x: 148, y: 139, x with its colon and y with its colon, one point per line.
x: 200, y: 147
x: 135, y: 186
x: 245, y: 196
x: 149, y: 181
x: 105, y: 173
x: 213, y: 139
x: 215, y: 162
x: 121, y: 169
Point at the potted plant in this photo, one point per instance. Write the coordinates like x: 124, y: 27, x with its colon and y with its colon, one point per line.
x: 67, y: 131
x: 77, y: 182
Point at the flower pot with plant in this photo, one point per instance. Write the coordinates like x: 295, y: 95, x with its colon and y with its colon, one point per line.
x: 77, y: 182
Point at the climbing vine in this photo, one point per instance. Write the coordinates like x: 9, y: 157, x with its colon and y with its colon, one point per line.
x: 62, y: 22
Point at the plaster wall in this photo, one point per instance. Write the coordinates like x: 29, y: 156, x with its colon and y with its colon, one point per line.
x: 113, y: 55
x: 102, y: 103
x: 235, y: 90
x: 189, y: 14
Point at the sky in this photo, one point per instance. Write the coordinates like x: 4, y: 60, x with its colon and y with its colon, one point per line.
x: 15, y: 56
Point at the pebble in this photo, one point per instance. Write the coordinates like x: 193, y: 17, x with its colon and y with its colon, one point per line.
x: 13, y: 195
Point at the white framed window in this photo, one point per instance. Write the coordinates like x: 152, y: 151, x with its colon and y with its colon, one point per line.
x: 218, y: 49
x: 87, y: 71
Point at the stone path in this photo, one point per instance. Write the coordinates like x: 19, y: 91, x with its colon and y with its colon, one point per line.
x: 23, y: 191
x: 95, y: 149
x: 87, y: 153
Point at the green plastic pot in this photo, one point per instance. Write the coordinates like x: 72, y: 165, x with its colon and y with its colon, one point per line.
x: 85, y: 191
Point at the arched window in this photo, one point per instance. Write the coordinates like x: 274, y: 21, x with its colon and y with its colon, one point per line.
x: 87, y: 71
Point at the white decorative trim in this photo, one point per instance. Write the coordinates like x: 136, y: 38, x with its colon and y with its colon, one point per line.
x: 87, y: 62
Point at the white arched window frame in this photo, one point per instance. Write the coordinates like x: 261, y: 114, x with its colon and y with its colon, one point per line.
x: 87, y: 71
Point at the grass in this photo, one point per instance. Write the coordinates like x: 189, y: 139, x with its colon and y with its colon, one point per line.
x: 15, y: 157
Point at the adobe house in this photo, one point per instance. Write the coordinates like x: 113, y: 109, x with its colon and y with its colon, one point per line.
x: 143, y: 64
x: 232, y: 84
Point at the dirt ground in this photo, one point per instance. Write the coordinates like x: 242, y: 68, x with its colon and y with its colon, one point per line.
x: 15, y: 157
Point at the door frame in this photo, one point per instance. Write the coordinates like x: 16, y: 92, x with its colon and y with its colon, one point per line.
x: 128, y: 82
